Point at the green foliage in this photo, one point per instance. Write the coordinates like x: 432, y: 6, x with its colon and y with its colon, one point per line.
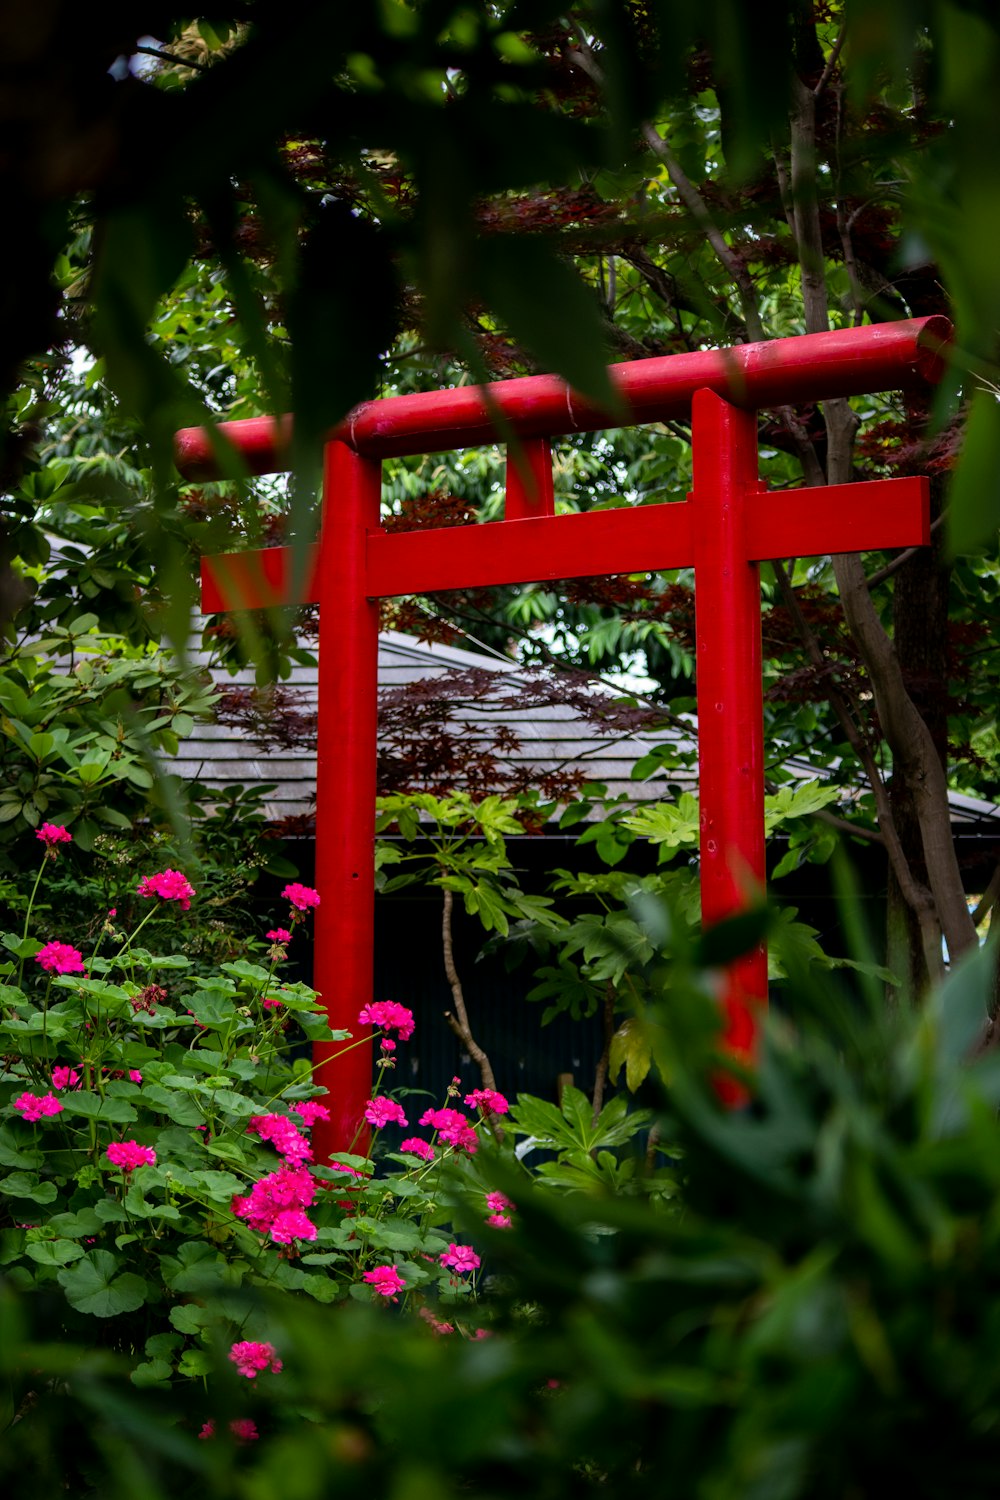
x: 148, y: 1107
x: 83, y: 716
x: 819, y: 1319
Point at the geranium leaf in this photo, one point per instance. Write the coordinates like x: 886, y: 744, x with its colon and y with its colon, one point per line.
x: 92, y: 1286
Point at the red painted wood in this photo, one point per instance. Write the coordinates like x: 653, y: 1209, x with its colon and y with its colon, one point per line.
x: 730, y: 694
x: 529, y: 480
x: 345, y: 792
x: 586, y: 543
x: 839, y: 518
x: 256, y: 580
x: 263, y: 444
x: 790, y: 523
x: 846, y: 362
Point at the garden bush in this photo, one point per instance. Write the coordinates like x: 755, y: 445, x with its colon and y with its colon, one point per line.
x: 814, y: 1314
x: 156, y: 1158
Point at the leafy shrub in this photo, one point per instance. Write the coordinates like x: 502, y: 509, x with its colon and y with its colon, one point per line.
x: 155, y: 1147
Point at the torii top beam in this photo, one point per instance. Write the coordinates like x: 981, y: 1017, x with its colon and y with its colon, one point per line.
x: 814, y: 367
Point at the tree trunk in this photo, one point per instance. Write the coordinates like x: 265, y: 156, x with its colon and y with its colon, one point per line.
x: 920, y: 631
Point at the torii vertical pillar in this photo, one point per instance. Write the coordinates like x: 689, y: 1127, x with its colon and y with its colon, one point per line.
x: 730, y: 692
x: 345, y: 781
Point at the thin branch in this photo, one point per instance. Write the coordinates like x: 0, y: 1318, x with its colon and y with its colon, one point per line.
x: 604, y: 1061
x: 824, y: 77
x: 988, y: 899
x: 459, y: 1021
x: 693, y: 201
x: 699, y: 211
x: 856, y: 830
x: 174, y: 60
x: 915, y: 894
x: 903, y: 557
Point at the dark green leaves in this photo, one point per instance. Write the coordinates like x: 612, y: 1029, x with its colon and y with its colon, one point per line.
x: 547, y: 307
x: 93, y: 1286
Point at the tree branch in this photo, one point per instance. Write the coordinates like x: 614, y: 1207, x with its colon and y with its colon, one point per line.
x: 173, y: 59
x: 827, y: 73
x: 916, y: 895
x: 693, y: 201
x: 988, y: 899
x: 699, y: 211
x: 604, y: 1061
x: 459, y: 1021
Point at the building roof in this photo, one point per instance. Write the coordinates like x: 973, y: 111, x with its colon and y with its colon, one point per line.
x: 549, y: 736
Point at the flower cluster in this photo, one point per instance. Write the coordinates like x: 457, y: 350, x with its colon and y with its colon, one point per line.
x: 283, y: 1136
x: 302, y: 897
x: 251, y: 1358
x: 244, y: 1430
x: 60, y: 958
x: 390, y: 1016
x: 500, y: 1209
x: 148, y: 998
x: 65, y: 1078
x: 309, y: 1112
x: 385, y: 1281
x: 382, y: 1111
x: 435, y: 1323
x: 418, y: 1147
x: 276, y: 1203
x: 129, y: 1154
x: 279, y: 935
x: 460, y: 1258
x: 52, y: 834
x: 34, y: 1106
x: 169, y: 885
x: 453, y: 1127
x: 488, y: 1101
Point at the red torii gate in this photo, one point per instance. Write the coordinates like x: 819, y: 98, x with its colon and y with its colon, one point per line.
x: 726, y: 527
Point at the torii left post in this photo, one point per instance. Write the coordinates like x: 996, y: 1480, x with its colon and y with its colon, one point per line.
x: 724, y: 529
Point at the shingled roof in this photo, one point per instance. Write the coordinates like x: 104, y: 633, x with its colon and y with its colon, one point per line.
x: 549, y: 736
x: 546, y: 737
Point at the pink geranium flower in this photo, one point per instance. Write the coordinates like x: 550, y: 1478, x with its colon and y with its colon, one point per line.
x: 275, y: 1205
x: 279, y: 935
x: 436, y: 1324
x: 460, y: 1258
x: 498, y: 1204
x: 390, y: 1016
x: 292, y: 1224
x: 309, y: 1111
x: 382, y: 1111
x: 244, y: 1430
x: 34, y: 1106
x: 283, y: 1136
x: 64, y: 1078
x: 129, y: 1154
x: 169, y: 885
x: 488, y: 1100
x: 302, y: 897
x: 453, y: 1127
x: 385, y: 1281
x: 251, y: 1358
x: 52, y: 834
x: 418, y: 1147
x: 60, y: 958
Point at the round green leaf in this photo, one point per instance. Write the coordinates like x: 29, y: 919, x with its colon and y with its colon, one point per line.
x: 91, y: 1286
